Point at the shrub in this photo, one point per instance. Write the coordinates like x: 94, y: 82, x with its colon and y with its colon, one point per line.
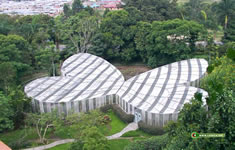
x: 105, y: 108
x: 77, y: 145
x: 128, y: 118
x: 154, y: 143
x: 19, y: 144
x: 154, y: 130
x: 106, y: 119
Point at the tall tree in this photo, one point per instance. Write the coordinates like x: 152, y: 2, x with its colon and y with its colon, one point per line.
x: 166, y: 41
x: 193, y: 9
x: 7, y: 76
x: 42, y: 123
x: 6, y: 113
x: 67, y: 10
x: 79, y: 30
x: 76, y: 6
x: 117, y: 31
x: 14, y: 49
x: 47, y: 58
x: 6, y: 24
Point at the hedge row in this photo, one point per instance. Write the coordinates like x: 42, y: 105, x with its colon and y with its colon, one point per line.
x: 127, y: 118
x: 106, y: 108
x: 154, y: 130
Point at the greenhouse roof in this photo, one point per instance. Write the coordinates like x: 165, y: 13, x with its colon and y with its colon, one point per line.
x: 164, y: 89
x: 84, y: 76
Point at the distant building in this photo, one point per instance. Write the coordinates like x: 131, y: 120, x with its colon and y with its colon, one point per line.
x: 103, y: 4
x: 33, y: 7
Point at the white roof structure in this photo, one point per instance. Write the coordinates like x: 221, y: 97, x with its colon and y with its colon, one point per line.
x: 84, y: 76
x: 165, y: 89
x: 88, y: 82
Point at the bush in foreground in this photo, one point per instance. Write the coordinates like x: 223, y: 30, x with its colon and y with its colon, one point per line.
x: 153, y: 130
x: 154, y: 143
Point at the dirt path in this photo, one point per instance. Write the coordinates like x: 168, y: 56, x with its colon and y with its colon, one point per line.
x: 131, y: 71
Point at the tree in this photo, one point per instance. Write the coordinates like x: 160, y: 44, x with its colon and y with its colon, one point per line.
x: 67, y: 10
x: 47, y: 58
x: 196, y: 10
x: 74, y: 124
x: 116, y: 37
x: 221, y: 76
x: 91, y: 139
x: 222, y: 119
x: 7, y: 76
x: 98, y: 45
x: 80, y: 29
x: 219, y: 118
x: 143, y: 30
x: 76, y: 6
x: 14, y: 48
x: 163, y: 42
x: 42, y: 123
x: 8, y: 50
x: 20, y: 105
x: 193, y: 9
x: 6, y: 24
x: 6, y: 114
x: 153, y: 10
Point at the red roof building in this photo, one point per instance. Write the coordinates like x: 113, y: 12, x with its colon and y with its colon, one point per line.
x: 4, y: 146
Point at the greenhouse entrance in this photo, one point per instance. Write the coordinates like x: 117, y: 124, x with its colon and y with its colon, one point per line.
x: 137, y: 117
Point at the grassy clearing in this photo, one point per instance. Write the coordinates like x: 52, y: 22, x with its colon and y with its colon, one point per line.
x: 24, y: 138
x: 116, y: 125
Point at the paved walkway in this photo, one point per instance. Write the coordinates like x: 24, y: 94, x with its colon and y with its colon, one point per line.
x: 51, y: 145
x: 130, y: 127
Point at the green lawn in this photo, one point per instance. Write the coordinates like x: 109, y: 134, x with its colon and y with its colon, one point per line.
x: 61, y: 147
x: 15, y: 135
x: 116, y: 125
x: 22, y: 138
x: 118, y: 144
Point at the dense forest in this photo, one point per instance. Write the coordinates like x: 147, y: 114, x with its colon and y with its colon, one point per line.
x: 152, y: 32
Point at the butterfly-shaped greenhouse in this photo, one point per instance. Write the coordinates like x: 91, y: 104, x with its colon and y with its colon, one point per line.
x: 88, y: 82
